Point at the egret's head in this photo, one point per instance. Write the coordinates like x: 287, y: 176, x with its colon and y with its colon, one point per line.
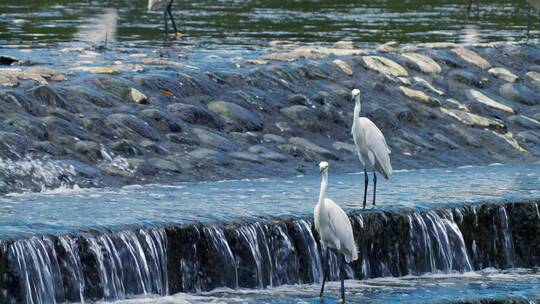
x: 355, y: 95
x: 323, y: 166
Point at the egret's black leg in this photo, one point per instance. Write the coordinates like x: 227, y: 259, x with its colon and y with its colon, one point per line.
x: 538, y: 17
x: 166, y: 25
x: 528, y: 23
x: 342, y: 277
x: 374, y: 186
x: 365, y: 187
x: 171, y: 16
x: 469, y: 7
x: 325, y: 271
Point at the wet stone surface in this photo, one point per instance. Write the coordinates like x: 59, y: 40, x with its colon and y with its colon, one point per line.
x: 133, y: 113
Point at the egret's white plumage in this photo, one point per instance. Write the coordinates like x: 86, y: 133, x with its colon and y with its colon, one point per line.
x: 165, y: 6
x: 158, y: 5
x: 535, y: 4
x: 334, y: 227
x: 370, y: 143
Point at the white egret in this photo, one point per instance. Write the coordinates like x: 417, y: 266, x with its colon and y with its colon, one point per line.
x: 535, y: 4
x: 335, y: 231
x: 371, y: 146
x: 165, y: 6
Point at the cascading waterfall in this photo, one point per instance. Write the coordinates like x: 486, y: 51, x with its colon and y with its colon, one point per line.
x: 36, y: 260
x: 107, y: 266
x: 115, y: 265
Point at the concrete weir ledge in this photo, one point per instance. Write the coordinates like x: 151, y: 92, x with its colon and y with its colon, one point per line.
x: 129, y: 115
x: 114, y: 264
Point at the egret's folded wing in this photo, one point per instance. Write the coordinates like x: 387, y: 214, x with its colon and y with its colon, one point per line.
x: 376, y: 144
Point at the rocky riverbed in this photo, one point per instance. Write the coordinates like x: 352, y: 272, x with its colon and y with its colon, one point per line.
x: 111, y: 117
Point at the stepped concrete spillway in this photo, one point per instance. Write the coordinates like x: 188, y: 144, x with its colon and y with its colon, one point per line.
x: 129, y: 115
x: 440, y: 227
x: 112, y: 265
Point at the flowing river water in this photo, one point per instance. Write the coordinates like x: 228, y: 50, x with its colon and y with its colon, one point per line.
x: 255, y: 239
x: 254, y: 23
x: 438, y: 235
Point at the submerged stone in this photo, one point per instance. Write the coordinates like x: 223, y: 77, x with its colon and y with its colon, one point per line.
x: 438, y: 137
x: 266, y: 153
x: 384, y: 66
x: 7, y: 60
x: 533, y: 75
x: 126, y: 147
x: 137, y: 96
x: 344, y: 67
x: 302, y: 116
x: 423, y: 63
x: 163, y: 164
x: 153, y: 147
x: 420, y: 96
x: 213, y: 140
x: 310, y: 147
x: 484, y: 99
x: 162, y: 120
x: 467, y: 77
x: 90, y: 149
x: 9, y: 78
x: 49, y: 96
x: 129, y: 122
x: 509, y: 138
x: 98, y: 69
x: 45, y: 72
x: 421, y: 82
x: 525, y: 122
x: 473, y: 119
x: 273, y: 138
x: 528, y: 137
x: 12, y: 145
x: 344, y: 147
x: 503, y: 74
x: 56, y: 127
x: 457, y: 104
x: 519, y: 93
x: 245, y: 156
x: 472, y: 57
x: 236, y: 117
x: 195, y: 115
x: 203, y: 155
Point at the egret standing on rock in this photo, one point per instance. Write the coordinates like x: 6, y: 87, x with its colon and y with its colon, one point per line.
x: 335, y: 231
x: 165, y: 6
x: 371, y: 147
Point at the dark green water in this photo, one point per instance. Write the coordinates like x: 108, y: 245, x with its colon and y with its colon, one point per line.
x: 247, y: 23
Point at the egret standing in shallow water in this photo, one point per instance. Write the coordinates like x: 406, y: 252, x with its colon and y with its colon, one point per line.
x: 335, y: 231
x: 371, y: 147
x: 165, y: 6
x: 535, y: 4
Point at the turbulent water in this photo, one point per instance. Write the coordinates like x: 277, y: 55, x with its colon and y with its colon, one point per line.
x: 254, y: 23
x: 75, y: 245
x: 518, y: 285
x: 112, y: 265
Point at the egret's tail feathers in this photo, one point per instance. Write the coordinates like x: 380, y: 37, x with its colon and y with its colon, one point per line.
x: 352, y: 255
x: 383, y: 165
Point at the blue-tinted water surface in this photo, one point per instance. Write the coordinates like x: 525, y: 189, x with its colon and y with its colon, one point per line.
x: 66, y: 210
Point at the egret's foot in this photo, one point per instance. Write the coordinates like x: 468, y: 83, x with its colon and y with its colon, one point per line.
x: 177, y: 35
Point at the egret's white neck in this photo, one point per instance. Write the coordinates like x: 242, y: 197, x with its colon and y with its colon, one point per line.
x: 357, y: 107
x: 324, y: 186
